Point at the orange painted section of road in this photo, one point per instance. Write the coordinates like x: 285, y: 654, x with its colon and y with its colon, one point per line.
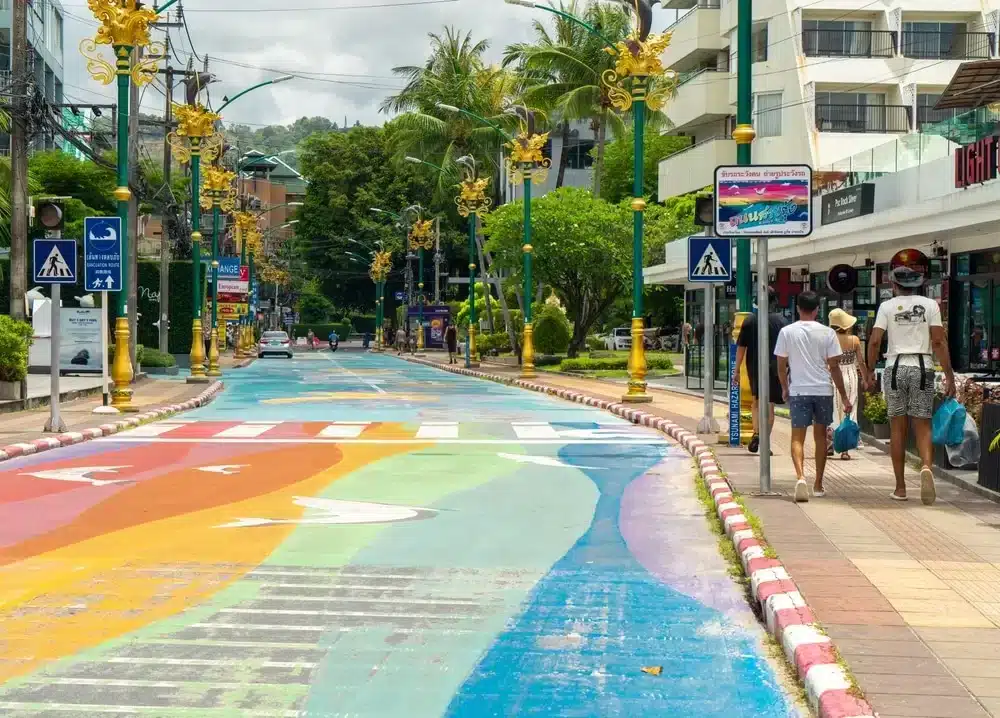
x: 111, y: 582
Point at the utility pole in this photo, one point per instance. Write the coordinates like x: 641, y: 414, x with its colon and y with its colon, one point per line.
x: 19, y: 161
x: 164, y: 342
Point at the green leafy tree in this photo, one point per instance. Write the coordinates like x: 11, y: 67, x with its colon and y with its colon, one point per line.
x: 552, y: 330
x: 582, y: 249
x: 315, y: 309
x: 618, y: 172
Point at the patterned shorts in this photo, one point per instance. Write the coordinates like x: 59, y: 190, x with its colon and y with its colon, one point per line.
x: 807, y: 410
x: 908, y: 399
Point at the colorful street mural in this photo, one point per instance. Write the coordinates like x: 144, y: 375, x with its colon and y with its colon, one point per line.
x: 353, y: 535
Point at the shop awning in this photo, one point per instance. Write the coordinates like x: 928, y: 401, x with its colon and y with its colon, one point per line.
x: 974, y: 84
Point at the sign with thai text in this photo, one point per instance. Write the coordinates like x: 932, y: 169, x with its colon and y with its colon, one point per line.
x: 763, y: 201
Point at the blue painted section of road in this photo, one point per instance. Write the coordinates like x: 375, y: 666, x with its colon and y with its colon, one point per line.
x: 599, y: 617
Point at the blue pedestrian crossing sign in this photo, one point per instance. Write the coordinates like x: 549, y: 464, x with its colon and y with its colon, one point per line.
x: 710, y: 259
x: 54, y: 261
x: 102, y: 254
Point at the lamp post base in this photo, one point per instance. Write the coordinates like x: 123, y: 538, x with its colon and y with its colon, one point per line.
x: 121, y: 368
x: 528, y: 352
x: 197, y: 353
x: 636, y: 393
x: 213, y: 354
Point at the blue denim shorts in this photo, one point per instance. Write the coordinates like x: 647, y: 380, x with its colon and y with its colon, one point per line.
x: 806, y: 410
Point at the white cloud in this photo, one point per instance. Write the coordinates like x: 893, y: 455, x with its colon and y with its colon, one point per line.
x: 357, y: 48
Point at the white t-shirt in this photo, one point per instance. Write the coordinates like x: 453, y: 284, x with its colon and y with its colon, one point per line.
x: 808, y: 346
x: 907, y: 321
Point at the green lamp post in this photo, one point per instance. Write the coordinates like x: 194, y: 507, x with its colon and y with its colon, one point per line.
x: 525, y: 163
x: 124, y: 25
x: 638, y: 81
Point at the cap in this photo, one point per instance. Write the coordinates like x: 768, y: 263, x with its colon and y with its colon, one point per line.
x: 909, y: 268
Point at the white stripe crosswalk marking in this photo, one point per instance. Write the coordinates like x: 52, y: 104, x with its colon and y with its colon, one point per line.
x: 151, y: 429
x: 438, y: 430
x: 534, y: 430
x: 244, y: 431
x: 344, y: 430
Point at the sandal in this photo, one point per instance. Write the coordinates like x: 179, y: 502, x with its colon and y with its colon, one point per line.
x: 845, y: 456
x: 894, y: 497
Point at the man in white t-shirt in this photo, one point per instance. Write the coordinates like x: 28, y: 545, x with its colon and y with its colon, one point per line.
x: 913, y: 326
x: 808, y: 368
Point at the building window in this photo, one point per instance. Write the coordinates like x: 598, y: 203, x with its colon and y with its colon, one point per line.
x: 760, y: 43
x: 767, y: 114
x: 845, y: 38
x: 579, y: 154
x: 943, y: 40
x: 57, y: 32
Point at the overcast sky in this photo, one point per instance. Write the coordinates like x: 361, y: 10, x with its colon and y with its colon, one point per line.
x: 349, y: 52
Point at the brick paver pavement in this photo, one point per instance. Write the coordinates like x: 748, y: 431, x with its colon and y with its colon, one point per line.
x: 909, y: 593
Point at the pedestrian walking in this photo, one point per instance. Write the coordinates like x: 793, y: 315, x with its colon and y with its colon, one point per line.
x: 400, y: 341
x: 915, y: 334
x: 808, y: 368
x: 852, y: 368
x: 451, y: 339
x: 747, y: 350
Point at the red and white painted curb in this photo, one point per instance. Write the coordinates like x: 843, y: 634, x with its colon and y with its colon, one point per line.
x: 789, y: 620
x: 76, y: 437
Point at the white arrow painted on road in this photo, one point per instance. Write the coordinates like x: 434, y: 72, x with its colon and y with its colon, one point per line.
x: 227, y: 469
x: 79, y: 474
x: 334, y: 511
x: 543, y: 461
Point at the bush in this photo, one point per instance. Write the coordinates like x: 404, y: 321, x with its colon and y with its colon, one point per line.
x: 497, y: 343
x: 15, y: 338
x: 315, y: 308
x: 876, y: 410
x: 140, y: 354
x: 346, y: 328
x: 595, y: 344
x: 548, y: 360
x: 155, y: 358
x: 320, y: 330
x: 552, y: 331
x: 584, y: 364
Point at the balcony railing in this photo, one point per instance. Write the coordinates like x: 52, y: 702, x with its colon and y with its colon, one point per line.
x: 849, y: 43
x: 880, y: 119
x: 683, y: 77
x: 929, y: 116
x: 948, y: 45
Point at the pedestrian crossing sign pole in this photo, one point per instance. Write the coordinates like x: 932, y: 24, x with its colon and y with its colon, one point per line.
x: 54, y: 264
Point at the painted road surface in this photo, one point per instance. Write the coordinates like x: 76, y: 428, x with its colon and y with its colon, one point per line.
x: 352, y: 535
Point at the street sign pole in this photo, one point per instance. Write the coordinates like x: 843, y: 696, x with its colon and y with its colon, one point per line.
x: 55, y: 424
x: 763, y: 368
x: 708, y: 424
x: 709, y: 262
x: 105, y: 407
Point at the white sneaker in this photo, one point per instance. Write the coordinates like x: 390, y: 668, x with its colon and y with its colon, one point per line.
x: 801, y: 491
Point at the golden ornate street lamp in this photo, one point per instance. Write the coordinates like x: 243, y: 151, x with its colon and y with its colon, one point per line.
x: 253, y: 242
x: 123, y: 25
x: 637, y: 81
x: 379, y: 272
x: 245, y: 223
x: 194, y: 138
x: 421, y: 238
x: 526, y: 164
x: 217, y: 183
x: 472, y: 202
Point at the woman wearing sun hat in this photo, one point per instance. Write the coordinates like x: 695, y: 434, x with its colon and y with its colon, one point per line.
x: 852, y: 367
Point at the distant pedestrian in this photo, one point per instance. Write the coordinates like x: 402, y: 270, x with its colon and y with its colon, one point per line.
x: 914, y: 328
x: 852, y: 368
x: 400, y: 341
x: 808, y: 368
x: 451, y: 339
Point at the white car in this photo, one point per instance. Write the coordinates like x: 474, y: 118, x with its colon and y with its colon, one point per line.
x: 620, y: 338
x: 274, y: 343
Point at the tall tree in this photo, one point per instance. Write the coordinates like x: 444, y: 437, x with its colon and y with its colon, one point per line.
x: 562, y: 70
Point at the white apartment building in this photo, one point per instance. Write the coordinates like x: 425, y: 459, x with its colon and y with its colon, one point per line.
x: 831, y: 78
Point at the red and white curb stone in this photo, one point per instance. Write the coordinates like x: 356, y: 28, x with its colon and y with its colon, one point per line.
x: 789, y: 620
x: 37, y: 446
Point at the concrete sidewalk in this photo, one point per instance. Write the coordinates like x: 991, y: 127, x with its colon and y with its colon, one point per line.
x: 910, y: 594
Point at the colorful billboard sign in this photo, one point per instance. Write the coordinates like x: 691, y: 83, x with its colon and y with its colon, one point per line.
x: 763, y: 201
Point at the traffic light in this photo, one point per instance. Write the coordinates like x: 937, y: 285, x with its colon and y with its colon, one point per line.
x: 49, y: 215
x: 704, y: 211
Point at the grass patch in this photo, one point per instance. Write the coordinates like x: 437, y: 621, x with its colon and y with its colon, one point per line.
x: 755, y: 525
x: 791, y: 677
x: 726, y: 547
x: 854, y: 689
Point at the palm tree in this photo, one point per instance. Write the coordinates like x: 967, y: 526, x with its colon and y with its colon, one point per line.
x: 562, y: 73
x: 454, y: 74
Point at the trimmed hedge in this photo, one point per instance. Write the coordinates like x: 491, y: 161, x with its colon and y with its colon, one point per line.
x: 343, y: 329
x: 583, y: 364
x: 156, y: 358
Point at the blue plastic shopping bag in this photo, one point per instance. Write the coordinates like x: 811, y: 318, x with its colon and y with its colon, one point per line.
x: 948, y: 425
x: 846, y: 436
